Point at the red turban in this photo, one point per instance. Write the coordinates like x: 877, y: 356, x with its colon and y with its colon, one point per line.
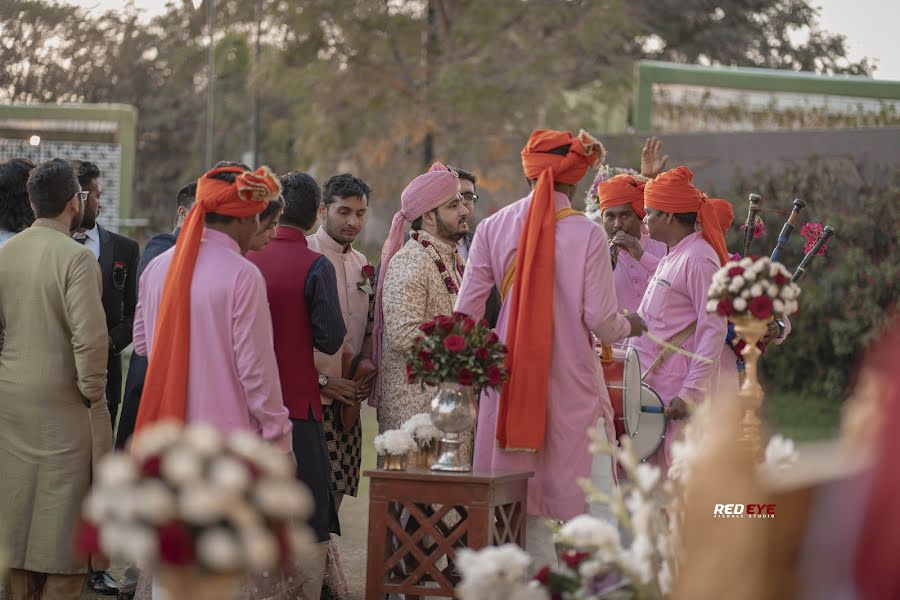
x: 672, y: 192
x: 522, y: 417
x: 724, y: 212
x: 622, y: 189
x: 166, y: 383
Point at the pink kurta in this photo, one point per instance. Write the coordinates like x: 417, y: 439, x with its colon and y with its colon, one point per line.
x: 676, y: 297
x: 583, y: 302
x: 631, y: 276
x: 233, y: 379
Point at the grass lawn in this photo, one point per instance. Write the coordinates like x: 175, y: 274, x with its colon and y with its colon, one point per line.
x: 801, y: 417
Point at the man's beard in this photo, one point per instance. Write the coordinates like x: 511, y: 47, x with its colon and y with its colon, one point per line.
x: 78, y: 221
x: 87, y: 222
x: 447, y: 231
x: 338, y: 235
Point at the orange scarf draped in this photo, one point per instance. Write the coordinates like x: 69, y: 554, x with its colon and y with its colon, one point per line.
x: 622, y: 189
x: 166, y: 384
x: 724, y: 212
x: 672, y: 192
x: 522, y: 417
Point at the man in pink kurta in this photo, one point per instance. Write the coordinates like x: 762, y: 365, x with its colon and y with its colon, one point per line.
x: 583, y: 303
x: 676, y: 296
x: 233, y: 378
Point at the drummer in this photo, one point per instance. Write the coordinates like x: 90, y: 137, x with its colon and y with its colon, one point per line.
x: 634, y: 253
x: 674, y: 305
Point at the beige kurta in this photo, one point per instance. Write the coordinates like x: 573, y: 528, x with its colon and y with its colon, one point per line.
x: 414, y: 292
x: 52, y: 367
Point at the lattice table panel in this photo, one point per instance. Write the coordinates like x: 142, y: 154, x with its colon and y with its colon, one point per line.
x: 419, y: 519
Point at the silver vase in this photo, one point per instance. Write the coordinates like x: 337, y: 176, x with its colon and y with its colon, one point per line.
x: 453, y: 412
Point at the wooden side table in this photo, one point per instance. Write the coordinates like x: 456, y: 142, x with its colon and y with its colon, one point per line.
x: 419, y: 518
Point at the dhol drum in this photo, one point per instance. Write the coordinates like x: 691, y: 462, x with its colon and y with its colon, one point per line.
x: 622, y: 373
x: 652, y: 430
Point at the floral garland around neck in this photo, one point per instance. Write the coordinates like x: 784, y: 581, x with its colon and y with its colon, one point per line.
x: 442, y: 268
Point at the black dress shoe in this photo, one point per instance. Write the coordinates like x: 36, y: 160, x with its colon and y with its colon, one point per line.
x: 103, y: 583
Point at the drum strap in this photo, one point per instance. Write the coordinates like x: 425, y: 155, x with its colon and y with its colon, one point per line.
x: 675, y: 340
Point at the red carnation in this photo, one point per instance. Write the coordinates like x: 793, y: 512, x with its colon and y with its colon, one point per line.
x: 460, y: 316
x: 467, y: 325
x: 484, y: 323
x: 491, y: 338
x: 735, y: 271
x: 87, y: 539
x: 543, y: 576
x: 424, y: 355
x: 760, y: 306
x: 409, y: 375
x: 428, y: 364
x: 369, y: 271
x: 176, y: 547
x: 427, y: 328
x: 494, y: 375
x: 466, y: 377
x: 780, y: 278
x: 482, y: 354
x: 724, y: 307
x: 151, y: 467
x: 573, y: 558
x: 454, y: 343
x: 444, y: 322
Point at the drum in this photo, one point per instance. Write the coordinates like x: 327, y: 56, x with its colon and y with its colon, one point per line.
x: 622, y: 373
x: 652, y: 430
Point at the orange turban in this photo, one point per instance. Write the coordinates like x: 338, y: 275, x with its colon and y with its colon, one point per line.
x: 724, y: 211
x: 672, y: 192
x: 622, y: 189
x: 166, y: 383
x: 522, y: 417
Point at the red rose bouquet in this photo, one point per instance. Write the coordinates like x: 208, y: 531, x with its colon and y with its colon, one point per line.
x: 753, y: 288
x: 456, y: 349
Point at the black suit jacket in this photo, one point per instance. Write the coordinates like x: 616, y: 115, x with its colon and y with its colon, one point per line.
x: 119, y: 258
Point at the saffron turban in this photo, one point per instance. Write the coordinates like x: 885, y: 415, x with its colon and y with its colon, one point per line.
x: 166, y: 385
x: 672, y: 192
x: 724, y: 212
x: 549, y: 157
x: 622, y: 189
x: 424, y: 193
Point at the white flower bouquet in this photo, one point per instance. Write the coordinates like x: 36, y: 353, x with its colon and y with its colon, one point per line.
x: 753, y: 288
x: 421, y: 428
x: 395, y: 442
x: 193, y: 497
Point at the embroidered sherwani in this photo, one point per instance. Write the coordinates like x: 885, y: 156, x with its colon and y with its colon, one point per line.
x: 414, y: 292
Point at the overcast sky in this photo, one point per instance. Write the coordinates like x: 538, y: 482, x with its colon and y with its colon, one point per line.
x: 870, y: 26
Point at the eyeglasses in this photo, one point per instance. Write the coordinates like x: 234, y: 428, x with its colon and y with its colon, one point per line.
x: 83, y: 195
x: 469, y: 198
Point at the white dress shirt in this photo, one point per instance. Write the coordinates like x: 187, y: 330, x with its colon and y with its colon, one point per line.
x: 92, y: 241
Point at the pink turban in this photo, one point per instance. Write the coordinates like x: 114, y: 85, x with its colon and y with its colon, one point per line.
x: 424, y: 193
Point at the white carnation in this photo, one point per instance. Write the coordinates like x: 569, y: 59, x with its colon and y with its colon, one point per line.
x: 639, y: 557
x: 780, y: 453
x: 587, y: 532
x: 787, y: 292
x: 746, y: 262
x: 99, y: 505
x: 750, y: 275
x: 156, y: 438
x: 301, y: 542
x: 205, y: 439
x: 394, y: 442
x: 155, y: 503
x: 507, y: 563
x: 283, y: 498
x: 739, y: 304
x: 246, y: 444
x: 125, y: 506
x: 421, y: 428
x: 181, y: 466
x: 142, y: 546
x: 738, y: 282
x: 772, y: 291
x: 275, y: 463
x: 113, y: 539
x: 117, y: 469
x: 218, y: 549
x: 756, y: 290
x: 745, y: 294
x: 202, y: 504
x: 646, y: 477
x: 260, y: 548
x: 229, y: 475
x: 778, y: 306
x: 711, y: 305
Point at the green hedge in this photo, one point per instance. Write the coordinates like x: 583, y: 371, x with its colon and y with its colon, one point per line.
x: 847, y: 293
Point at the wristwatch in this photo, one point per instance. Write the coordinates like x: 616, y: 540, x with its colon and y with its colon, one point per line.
x: 323, y: 380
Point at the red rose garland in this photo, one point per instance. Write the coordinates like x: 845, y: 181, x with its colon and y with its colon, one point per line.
x: 442, y: 268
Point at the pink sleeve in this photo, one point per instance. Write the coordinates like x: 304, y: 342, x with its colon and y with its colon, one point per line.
x: 709, y: 336
x: 649, y: 262
x: 139, y: 336
x: 478, y: 279
x: 600, y: 305
x: 254, y: 353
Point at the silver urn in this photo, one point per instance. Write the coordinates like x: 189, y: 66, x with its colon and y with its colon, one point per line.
x: 453, y: 412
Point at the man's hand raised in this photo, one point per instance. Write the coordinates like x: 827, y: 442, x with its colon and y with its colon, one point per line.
x: 651, y: 164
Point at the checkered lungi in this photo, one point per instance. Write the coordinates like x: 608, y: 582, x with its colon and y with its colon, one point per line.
x: 344, y: 451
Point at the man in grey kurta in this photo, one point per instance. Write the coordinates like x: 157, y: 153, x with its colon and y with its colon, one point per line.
x: 53, y: 415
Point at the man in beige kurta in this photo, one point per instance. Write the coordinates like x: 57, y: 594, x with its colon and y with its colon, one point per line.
x: 52, y: 383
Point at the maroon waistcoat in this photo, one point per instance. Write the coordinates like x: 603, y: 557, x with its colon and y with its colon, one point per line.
x: 285, y: 263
